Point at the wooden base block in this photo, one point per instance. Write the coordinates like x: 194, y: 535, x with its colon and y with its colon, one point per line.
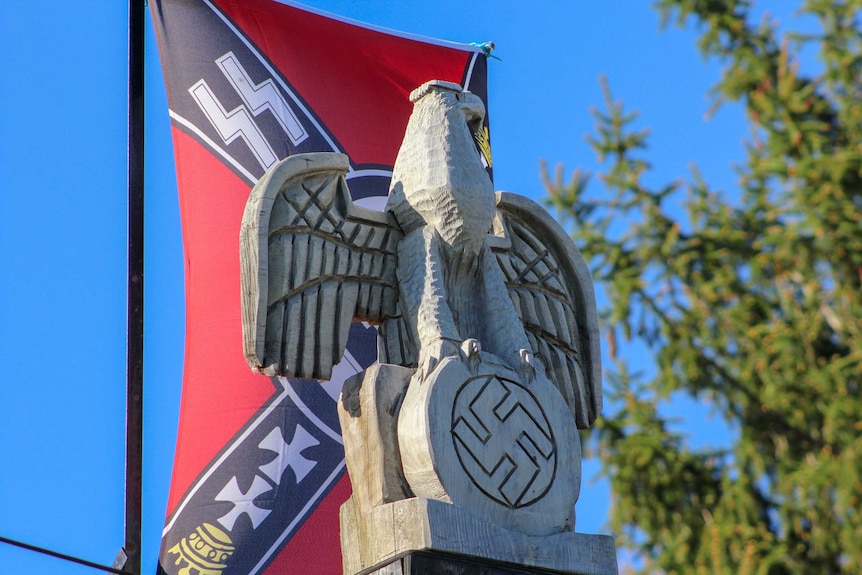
x: 379, y: 541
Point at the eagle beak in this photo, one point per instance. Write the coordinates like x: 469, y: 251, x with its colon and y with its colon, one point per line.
x: 473, y: 109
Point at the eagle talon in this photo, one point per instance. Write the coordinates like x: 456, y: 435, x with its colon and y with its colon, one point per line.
x: 529, y: 365
x: 471, y: 351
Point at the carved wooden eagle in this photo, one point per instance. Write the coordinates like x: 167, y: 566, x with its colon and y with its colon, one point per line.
x: 446, y: 262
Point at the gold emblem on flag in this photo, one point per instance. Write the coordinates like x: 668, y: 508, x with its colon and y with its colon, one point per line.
x: 204, y: 552
x: 483, y: 139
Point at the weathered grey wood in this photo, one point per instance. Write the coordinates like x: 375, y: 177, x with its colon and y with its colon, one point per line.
x: 504, y: 451
x: 368, y: 413
x: 419, y: 524
x: 579, y: 376
x: 487, y: 307
x: 438, y: 285
x: 298, y: 217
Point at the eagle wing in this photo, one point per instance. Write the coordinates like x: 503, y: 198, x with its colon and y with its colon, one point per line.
x: 552, y: 290
x: 311, y: 263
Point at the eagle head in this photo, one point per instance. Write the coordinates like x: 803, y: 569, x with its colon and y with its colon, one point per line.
x: 438, y: 178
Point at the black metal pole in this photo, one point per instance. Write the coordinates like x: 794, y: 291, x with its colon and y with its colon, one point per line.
x: 135, y: 317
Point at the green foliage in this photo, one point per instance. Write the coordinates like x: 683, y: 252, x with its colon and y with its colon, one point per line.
x: 752, y: 302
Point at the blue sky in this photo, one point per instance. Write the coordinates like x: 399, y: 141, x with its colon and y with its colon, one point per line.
x: 63, y: 225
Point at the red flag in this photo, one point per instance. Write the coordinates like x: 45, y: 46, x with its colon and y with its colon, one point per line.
x: 259, y: 471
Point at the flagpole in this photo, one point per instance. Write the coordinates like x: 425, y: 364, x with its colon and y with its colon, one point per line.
x: 135, y: 293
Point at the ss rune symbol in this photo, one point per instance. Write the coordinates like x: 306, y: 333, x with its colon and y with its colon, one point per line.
x: 239, y: 122
x: 503, y: 440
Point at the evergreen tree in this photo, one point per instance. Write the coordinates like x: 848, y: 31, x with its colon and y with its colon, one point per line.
x: 751, y: 301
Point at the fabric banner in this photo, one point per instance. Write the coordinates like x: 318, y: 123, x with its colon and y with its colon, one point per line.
x: 259, y: 471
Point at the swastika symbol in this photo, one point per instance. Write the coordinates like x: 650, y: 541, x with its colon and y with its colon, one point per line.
x: 503, y: 440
